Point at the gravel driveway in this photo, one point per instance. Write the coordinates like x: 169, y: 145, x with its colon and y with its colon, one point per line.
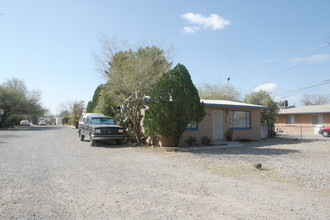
x: 47, y: 173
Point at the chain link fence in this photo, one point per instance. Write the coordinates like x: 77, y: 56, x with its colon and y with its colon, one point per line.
x: 300, y: 132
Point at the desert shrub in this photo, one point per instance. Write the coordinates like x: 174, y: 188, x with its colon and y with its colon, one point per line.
x: 206, y: 140
x: 229, y: 134
x: 65, y: 120
x: 192, y: 140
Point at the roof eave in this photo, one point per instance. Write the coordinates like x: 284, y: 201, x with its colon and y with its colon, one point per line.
x: 236, y: 106
x: 300, y: 113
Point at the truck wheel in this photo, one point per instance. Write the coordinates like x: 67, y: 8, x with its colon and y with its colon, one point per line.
x: 81, y: 137
x: 92, y: 142
x: 325, y: 133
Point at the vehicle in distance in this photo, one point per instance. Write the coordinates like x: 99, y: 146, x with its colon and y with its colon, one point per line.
x: 42, y: 122
x: 100, y: 128
x: 24, y: 123
x: 325, y: 131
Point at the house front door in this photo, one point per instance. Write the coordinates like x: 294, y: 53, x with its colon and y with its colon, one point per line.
x: 217, y: 124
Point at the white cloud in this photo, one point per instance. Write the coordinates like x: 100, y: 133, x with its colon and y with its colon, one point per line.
x: 317, y: 58
x: 268, y: 87
x: 189, y: 30
x: 198, y: 21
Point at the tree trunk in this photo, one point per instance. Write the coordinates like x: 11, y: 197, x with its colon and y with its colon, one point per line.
x: 2, y: 123
x: 176, y: 142
x: 4, y: 116
x: 270, y: 127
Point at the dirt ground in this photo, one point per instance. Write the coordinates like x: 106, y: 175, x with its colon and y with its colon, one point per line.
x: 294, y: 174
x: 300, y: 162
x: 47, y: 173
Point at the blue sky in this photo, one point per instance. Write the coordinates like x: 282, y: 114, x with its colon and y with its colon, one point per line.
x: 50, y: 44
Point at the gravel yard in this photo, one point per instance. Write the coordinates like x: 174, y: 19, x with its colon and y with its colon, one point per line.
x: 301, y: 162
x: 47, y: 173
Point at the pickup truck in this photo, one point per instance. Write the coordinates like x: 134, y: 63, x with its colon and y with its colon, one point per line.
x: 98, y: 127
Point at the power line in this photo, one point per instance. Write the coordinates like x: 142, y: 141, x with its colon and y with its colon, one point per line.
x: 327, y: 43
x: 277, y: 58
x: 305, y: 86
x: 289, y: 92
x: 300, y: 62
x: 327, y: 39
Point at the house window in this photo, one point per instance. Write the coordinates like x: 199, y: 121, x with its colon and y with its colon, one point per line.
x: 192, y: 126
x: 290, y: 119
x: 240, y: 119
x: 317, y: 120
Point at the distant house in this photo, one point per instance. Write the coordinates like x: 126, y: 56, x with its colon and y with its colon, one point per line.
x: 242, y: 118
x: 303, y: 119
x: 58, y: 120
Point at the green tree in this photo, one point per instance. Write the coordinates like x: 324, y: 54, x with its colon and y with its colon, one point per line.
x: 93, y: 103
x: 218, y: 91
x: 131, y: 75
x: 15, y: 98
x: 108, y: 102
x: 269, y: 115
x: 174, y: 103
x: 73, y: 110
x: 77, y: 110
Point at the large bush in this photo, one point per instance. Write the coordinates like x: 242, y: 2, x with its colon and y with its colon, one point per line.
x: 174, y: 103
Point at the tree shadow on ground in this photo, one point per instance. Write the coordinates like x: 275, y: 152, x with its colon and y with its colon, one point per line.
x: 250, y: 151
x: 273, y: 146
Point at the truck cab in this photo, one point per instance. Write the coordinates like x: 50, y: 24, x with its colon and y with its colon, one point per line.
x: 98, y: 127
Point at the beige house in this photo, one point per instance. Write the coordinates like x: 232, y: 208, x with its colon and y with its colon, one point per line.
x: 303, y: 119
x: 221, y: 115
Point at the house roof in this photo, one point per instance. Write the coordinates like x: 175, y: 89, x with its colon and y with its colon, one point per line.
x: 226, y: 103
x: 311, y: 109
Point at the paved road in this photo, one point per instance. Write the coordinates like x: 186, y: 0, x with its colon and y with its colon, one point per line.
x: 47, y: 173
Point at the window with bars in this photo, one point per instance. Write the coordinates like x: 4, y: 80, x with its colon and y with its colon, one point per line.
x: 317, y: 120
x: 240, y: 119
x: 192, y: 126
x: 290, y: 119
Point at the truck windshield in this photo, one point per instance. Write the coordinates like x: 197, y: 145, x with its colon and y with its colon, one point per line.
x: 102, y: 121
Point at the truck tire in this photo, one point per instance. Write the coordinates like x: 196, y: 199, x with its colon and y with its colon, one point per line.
x: 81, y: 137
x: 92, y: 142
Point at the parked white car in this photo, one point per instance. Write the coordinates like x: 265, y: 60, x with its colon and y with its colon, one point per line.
x: 24, y: 123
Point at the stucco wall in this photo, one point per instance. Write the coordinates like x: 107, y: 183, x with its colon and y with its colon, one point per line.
x: 205, y: 126
x: 303, y: 123
x: 204, y: 129
x: 254, y: 132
